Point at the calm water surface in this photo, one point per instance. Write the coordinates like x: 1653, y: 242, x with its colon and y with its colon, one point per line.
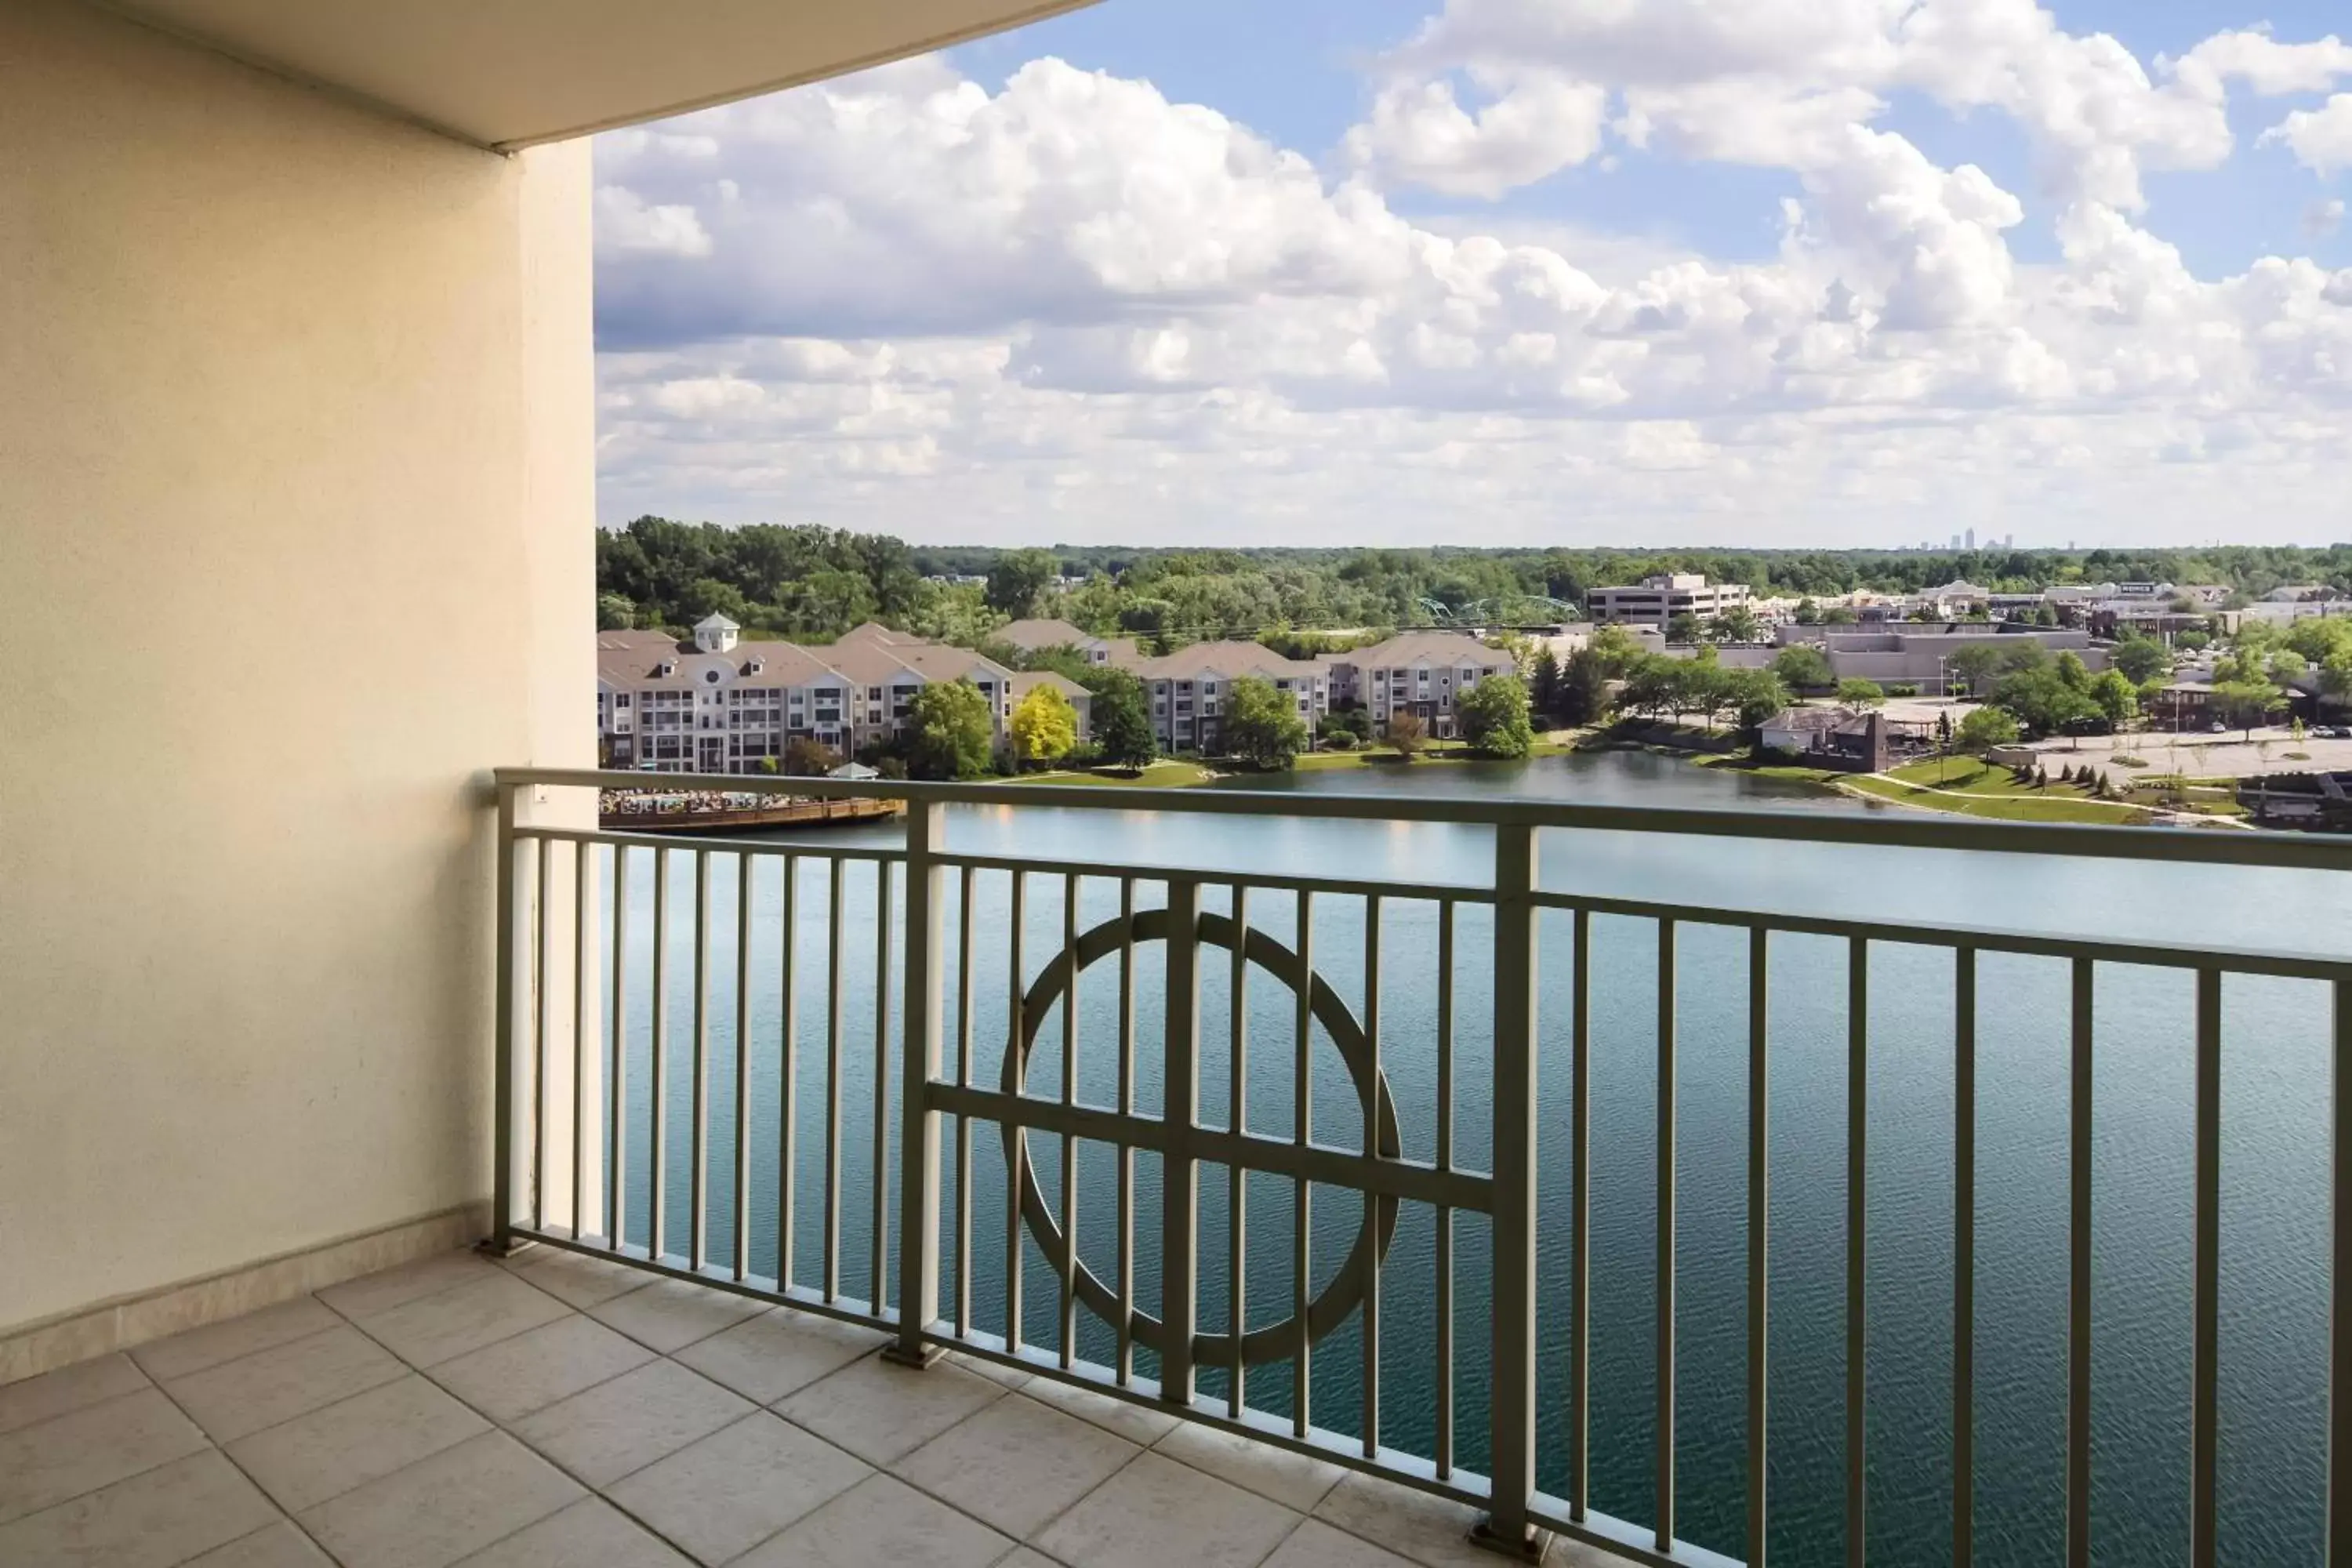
x: 2273, y: 1176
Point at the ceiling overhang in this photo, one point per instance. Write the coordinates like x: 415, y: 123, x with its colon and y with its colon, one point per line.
x: 506, y: 74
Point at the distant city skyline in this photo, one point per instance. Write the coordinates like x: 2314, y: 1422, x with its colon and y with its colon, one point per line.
x: 1713, y: 272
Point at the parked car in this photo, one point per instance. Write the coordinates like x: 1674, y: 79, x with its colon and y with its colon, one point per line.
x: 2218, y: 728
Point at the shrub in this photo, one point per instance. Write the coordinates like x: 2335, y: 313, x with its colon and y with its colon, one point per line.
x: 2125, y: 760
x: 1903, y: 690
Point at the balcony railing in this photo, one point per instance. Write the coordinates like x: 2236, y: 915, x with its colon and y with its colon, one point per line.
x: 785, y: 1195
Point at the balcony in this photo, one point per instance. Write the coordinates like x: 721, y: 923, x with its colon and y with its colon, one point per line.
x: 1347, y: 1157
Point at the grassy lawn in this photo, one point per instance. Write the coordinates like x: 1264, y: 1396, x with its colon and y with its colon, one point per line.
x: 1438, y: 752
x: 2005, y: 800
x: 1167, y: 774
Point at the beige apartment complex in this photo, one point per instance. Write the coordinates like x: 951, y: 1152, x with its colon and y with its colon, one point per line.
x: 1656, y: 601
x: 721, y: 705
x: 1421, y: 673
x: 1186, y: 691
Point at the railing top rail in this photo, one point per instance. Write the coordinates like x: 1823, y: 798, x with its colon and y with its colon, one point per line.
x: 1899, y: 829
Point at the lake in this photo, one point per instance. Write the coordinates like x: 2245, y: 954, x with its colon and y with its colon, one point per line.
x: 2274, y: 1156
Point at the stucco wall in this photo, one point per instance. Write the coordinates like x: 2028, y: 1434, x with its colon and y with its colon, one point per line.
x: 296, y: 480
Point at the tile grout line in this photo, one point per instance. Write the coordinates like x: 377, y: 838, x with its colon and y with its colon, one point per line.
x: 259, y: 1491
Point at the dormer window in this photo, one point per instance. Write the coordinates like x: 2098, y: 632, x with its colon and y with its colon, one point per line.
x: 668, y: 667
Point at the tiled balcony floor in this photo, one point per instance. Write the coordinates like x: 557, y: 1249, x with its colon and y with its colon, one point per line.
x: 558, y: 1412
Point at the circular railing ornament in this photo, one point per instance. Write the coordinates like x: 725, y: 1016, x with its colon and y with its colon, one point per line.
x: 1278, y: 1340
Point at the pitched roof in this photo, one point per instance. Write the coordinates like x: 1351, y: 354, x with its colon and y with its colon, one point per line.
x: 1028, y: 681
x: 1031, y: 635
x: 1452, y: 649
x: 1227, y: 658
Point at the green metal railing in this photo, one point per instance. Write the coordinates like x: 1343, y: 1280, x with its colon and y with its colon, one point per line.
x: 934, y: 1071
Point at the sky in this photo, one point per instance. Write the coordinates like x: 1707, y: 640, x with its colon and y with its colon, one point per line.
x: 1837, y: 273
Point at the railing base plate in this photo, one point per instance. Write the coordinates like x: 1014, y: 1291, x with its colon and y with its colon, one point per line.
x: 1528, y: 1548
x: 494, y: 1247
x: 899, y: 1356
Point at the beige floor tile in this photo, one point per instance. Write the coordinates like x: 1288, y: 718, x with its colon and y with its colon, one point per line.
x: 1430, y: 1531
x: 1157, y: 1513
x: 607, y: 1431
x: 1016, y: 1464
x: 448, y: 1323
x: 591, y: 1533
x: 881, y: 1521
x: 779, y: 1352
x: 164, y: 1360
x: 441, y: 1509
x: 721, y: 1496
x: 326, y: 1453
x: 671, y: 1314
x: 881, y: 1412
x: 374, y: 1293
x: 281, y: 1545
x: 1028, y: 1557
x: 82, y: 1450
x: 510, y: 1379
x: 241, y: 1397
x: 1135, y: 1423
x: 67, y: 1389
x: 1316, y: 1544
x: 574, y: 1279
x: 996, y: 1372
x: 154, y: 1520
x: 1294, y: 1481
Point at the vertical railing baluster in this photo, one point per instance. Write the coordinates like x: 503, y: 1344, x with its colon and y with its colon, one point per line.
x: 788, y: 1058
x: 1964, y: 1257
x: 584, y: 940
x: 698, y: 1177
x: 1579, y: 1224
x: 878, y: 1279
x: 919, y: 1131
x: 1857, y: 1299
x: 1512, y: 1402
x: 502, y: 1086
x: 1066, y: 1322
x: 2339, y: 1283
x: 743, y: 1065
x: 1179, y: 1176
x: 964, y: 889
x: 1664, y: 1288
x: 657, y: 1133
x: 1759, y: 1230
x: 542, y: 1023
x: 1125, y: 1353
x: 2204, y: 1492
x: 1302, y: 1239
x: 1016, y: 1174
x: 1237, y: 1189
x: 1371, y: 1314
x: 617, y: 1076
x: 834, y: 973
x: 2078, y: 1278
x: 1442, y: 1243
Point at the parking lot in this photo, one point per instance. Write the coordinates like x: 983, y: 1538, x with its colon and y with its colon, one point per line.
x: 2207, y: 755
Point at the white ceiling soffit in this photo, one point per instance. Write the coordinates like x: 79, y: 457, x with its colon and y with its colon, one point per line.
x: 508, y: 73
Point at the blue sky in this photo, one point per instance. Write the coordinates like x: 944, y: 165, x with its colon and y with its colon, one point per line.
x: 1821, y: 271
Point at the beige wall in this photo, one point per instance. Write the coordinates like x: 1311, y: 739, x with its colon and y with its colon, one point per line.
x: 296, y: 469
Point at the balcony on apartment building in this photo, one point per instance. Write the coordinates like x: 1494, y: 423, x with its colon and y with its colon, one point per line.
x: 1265, y: 1179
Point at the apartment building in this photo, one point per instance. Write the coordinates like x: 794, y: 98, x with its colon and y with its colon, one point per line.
x: 1186, y: 689
x: 1034, y: 636
x: 1656, y: 601
x: 1416, y: 672
x: 721, y: 705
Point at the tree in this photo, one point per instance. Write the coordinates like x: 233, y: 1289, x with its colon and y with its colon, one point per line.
x: 1407, y: 733
x: 1121, y: 719
x: 808, y: 758
x: 1015, y: 580
x: 1802, y: 667
x: 614, y: 612
x: 1839, y: 615
x: 1584, y: 688
x: 1543, y: 688
x: 2117, y: 697
x: 2073, y: 672
x: 1261, y: 725
x: 1044, y: 725
x: 1681, y: 628
x: 1860, y: 695
x: 949, y: 735
x: 1754, y: 695
x: 1616, y: 651
x: 2243, y: 704
x: 2141, y: 660
x: 1737, y: 623
x: 1973, y: 665
x: 1493, y: 717
x: 1809, y: 612
x: 1985, y: 728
